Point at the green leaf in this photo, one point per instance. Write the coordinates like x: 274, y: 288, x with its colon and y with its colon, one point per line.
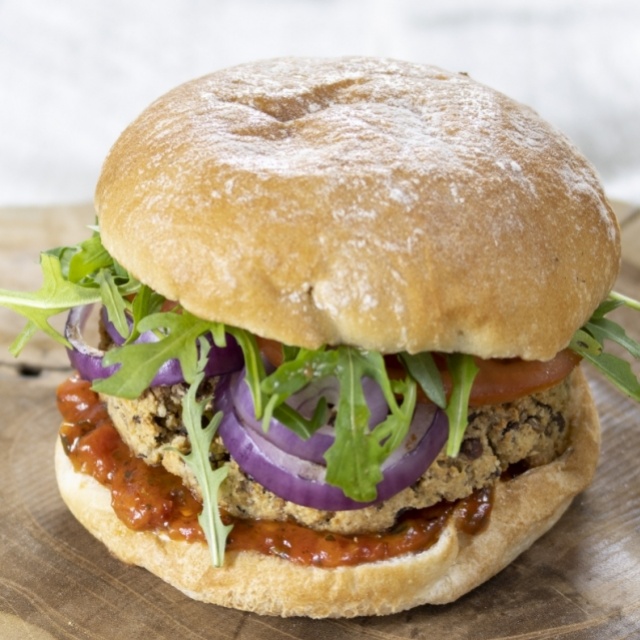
x: 55, y: 296
x: 606, y: 306
x: 113, y: 301
x: 65, y: 256
x: 423, y: 369
x: 146, y: 303
x: 299, y: 424
x: 589, y: 342
x: 617, y: 371
x: 22, y: 338
x: 88, y: 258
x: 583, y: 342
x: 254, y: 368
x: 140, y: 362
x: 354, y: 459
x: 604, y: 329
x: 294, y: 375
x: 72, y: 276
x: 463, y: 372
x: 219, y: 333
x: 209, y: 480
x: 289, y: 353
x: 291, y: 377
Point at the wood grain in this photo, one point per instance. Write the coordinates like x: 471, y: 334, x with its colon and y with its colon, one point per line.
x: 581, y: 581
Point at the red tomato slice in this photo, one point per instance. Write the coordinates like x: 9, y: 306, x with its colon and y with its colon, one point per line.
x: 272, y: 350
x: 508, y: 379
x: 504, y: 379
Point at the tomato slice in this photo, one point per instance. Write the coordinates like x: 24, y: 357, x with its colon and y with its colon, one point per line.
x: 502, y: 380
x: 499, y: 379
x: 271, y: 350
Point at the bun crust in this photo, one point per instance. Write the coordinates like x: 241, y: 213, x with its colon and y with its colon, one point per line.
x: 362, y: 201
x: 524, y: 509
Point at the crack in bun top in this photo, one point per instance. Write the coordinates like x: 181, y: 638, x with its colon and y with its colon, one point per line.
x: 363, y: 201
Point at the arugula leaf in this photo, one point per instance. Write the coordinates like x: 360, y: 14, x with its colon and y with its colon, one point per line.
x: 146, y: 303
x: 354, y: 459
x: 617, y: 371
x: 254, y: 367
x: 606, y: 306
x: 463, y: 372
x: 209, y: 480
x: 64, y: 255
x: 604, y: 329
x: 289, y: 378
x: 289, y: 353
x: 589, y: 342
x: 423, y: 369
x: 140, y: 362
x: 298, y: 423
x: 113, y: 301
x: 295, y: 374
x: 219, y: 334
x: 88, y: 257
x: 583, y: 343
x: 394, y: 429
x: 72, y: 276
x: 22, y: 338
x: 56, y: 295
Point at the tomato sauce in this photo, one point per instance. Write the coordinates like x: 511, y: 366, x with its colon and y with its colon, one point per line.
x: 142, y: 496
x: 415, y: 531
x: 149, y: 498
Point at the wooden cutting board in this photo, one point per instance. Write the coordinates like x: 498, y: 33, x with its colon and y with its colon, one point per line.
x: 580, y: 581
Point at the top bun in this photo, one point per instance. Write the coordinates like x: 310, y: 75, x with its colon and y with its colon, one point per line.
x: 361, y: 201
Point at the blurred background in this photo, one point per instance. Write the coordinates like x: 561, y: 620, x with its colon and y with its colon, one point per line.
x: 73, y: 73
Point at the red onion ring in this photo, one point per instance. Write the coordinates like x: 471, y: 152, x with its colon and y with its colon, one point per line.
x: 84, y: 358
x: 305, y: 401
x: 303, y: 482
x: 87, y: 360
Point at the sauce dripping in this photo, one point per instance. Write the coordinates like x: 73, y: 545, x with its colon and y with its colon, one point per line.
x: 148, y: 498
x: 143, y: 497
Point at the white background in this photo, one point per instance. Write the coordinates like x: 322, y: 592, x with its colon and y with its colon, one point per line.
x: 73, y: 73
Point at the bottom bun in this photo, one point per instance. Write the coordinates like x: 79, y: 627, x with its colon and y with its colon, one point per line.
x: 524, y: 509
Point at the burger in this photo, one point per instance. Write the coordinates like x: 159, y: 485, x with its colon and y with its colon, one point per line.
x: 341, y: 310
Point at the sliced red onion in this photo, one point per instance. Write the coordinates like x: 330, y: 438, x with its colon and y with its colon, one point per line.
x: 84, y: 358
x: 303, y: 482
x: 305, y: 401
x: 87, y: 360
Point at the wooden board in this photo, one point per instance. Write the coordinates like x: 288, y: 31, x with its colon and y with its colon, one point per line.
x: 580, y: 581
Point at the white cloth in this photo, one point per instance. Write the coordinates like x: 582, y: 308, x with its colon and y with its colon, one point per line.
x: 73, y: 73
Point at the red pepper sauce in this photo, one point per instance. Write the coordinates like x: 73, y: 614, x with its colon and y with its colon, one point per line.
x: 415, y: 531
x: 143, y: 497
x: 150, y: 498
